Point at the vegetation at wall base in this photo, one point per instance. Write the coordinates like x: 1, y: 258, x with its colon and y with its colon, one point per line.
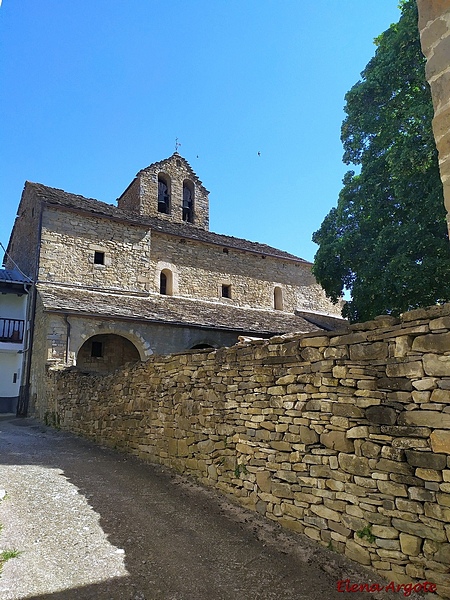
x: 387, y: 241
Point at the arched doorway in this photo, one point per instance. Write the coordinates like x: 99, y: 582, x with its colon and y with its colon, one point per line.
x: 105, y: 353
x: 202, y: 347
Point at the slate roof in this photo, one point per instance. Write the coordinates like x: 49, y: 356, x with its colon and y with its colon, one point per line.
x: 172, y: 310
x: 56, y: 197
x: 324, y: 321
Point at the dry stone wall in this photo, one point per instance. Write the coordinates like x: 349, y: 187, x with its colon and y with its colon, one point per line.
x: 344, y: 437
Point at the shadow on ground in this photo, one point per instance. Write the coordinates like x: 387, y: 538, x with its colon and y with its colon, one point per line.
x: 180, y: 541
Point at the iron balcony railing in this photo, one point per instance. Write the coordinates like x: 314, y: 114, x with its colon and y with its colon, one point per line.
x: 11, y: 330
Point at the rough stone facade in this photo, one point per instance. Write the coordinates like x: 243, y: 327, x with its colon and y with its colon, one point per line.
x: 151, y: 272
x: 141, y: 196
x: 344, y: 437
x: 434, y: 26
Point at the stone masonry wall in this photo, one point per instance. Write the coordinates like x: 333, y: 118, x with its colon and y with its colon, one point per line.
x: 135, y: 256
x: 344, y: 437
x: 69, y: 242
x: 199, y: 272
x: 142, y: 194
x: 23, y: 247
x: 434, y: 26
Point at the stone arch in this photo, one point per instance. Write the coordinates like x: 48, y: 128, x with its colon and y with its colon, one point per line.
x: 166, y: 282
x: 188, y: 201
x: 171, y: 273
x: 278, y: 298
x: 164, y: 193
x: 125, y: 330
x: 106, y: 352
x: 204, y: 343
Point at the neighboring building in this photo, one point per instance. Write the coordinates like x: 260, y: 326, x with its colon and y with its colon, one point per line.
x: 117, y: 284
x: 13, y: 311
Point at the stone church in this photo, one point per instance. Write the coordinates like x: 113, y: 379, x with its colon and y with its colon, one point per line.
x: 115, y: 284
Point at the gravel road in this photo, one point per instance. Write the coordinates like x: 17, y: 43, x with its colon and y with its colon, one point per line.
x: 91, y: 523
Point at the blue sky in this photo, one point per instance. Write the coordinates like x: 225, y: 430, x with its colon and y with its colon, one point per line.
x: 92, y: 91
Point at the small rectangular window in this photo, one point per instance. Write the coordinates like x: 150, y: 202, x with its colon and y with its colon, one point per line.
x: 15, y: 378
x: 97, y: 349
x: 99, y: 258
x: 226, y: 291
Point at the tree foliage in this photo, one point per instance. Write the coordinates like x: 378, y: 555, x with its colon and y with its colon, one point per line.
x: 386, y: 241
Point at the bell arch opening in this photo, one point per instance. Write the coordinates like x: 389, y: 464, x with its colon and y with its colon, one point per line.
x: 105, y: 353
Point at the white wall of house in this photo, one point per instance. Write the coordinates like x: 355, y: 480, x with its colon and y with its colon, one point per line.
x: 12, y: 306
x: 10, y: 365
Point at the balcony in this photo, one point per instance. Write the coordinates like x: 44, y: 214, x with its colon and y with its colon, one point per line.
x: 11, y: 330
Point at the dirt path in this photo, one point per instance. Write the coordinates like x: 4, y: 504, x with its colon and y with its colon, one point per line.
x: 92, y: 523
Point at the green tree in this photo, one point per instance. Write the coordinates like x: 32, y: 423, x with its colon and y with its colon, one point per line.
x: 386, y: 241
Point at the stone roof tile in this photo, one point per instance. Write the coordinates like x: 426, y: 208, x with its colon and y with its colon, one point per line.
x: 172, y: 310
x: 61, y: 198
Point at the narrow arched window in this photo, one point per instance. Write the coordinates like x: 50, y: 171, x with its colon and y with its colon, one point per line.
x: 278, y: 298
x: 163, y: 283
x: 166, y: 282
x: 163, y: 195
x: 188, y: 201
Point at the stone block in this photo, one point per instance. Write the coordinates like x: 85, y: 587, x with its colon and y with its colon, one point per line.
x: 360, y: 431
x: 282, y: 490
x: 436, y: 365
x: 311, y: 354
x: 357, y: 465
x: 339, y: 409
x: 434, y: 342
x: 441, y: 323
x: 368, y: 351
x: 392, y: 466
x: 387, y: 544
x: 381, y: 415
x: 427, y: 460
x: 428, y: 474
x: 297, y: 512
x: 410, y: 544
x: 440, y: 396
x: 411, y: 369
x: 427, y: 383
x: 419, y: 530
x: 337, y: 440
x: 370, y: 450
x: 425, y: 418
x: 436, y: 511
x: 357, y: 553
x: 281, y: 446
x: 395, y: 383
x: 443, y: 555
x: 385, y: 532
x: 421, y: 397
x: 443, y: 499
x: 392, y: 489
x: 325, y: 513
x: 421, y: 494
x: 409, y: 506
x: 290, y: 476
x: 263, y: 480
x: 313, y: 534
